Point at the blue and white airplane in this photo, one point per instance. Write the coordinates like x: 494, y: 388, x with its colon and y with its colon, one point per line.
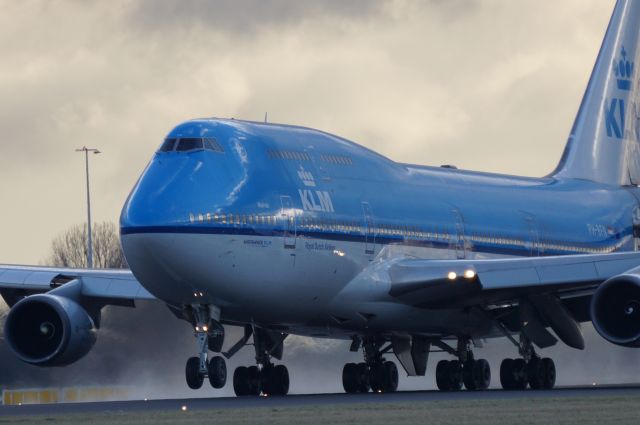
x: 287, y: 230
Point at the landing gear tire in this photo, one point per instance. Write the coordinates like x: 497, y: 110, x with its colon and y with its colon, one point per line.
x: 363, y: 378
x: 541, y: 373
x: 506, y: 374
x: 217, y: 369
x: 550, y: 373
x: 449, y: 375
x: 442, y: 375
x: 482, y: 374
x: 535, y: 371
x: 241, y: 381
x: 514, y: 374
x: 476, y: 374
x: 192, y: 373
x: 275, y: 380
x: 383, y: 377
x: 254, y: 380
x: 281, y: 375
x: 390, y: 371
x: 350, y: 378
x: 455, y: 375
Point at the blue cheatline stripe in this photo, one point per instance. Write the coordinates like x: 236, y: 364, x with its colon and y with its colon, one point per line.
x: 344, y: 237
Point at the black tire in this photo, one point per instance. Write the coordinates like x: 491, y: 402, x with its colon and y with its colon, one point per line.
x: 192, y: 373
x: 363, y: 378
x: 254, y: 380
x: 549, y: 368
x: 390, y: 377
x: 482, y: 374
x: 281, y: 380
x: 376, y: 378
x: 442, y: 376
x: 217, y: 369
x: 507, y: 375
x: 455, y: 375
x: 520, y: 374
x: 350, y: 378
x: 535, y: 372
x: 468, y: 375
x: 241, y: 381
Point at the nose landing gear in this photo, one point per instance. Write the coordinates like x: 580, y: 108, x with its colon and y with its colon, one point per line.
x: 210, y: 335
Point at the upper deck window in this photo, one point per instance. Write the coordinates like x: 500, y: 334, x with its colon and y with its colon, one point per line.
x: 288, y: 155
x: 187, y: 144
x: 337, y: 159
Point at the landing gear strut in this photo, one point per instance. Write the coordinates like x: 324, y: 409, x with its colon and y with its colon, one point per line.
x: 210, y: 335
x: 265, y: 378
x: 451, y: 374
x: 516, y: 374
x: 376, y: 373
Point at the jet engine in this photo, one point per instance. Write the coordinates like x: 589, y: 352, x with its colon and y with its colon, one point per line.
x: 49, y: 330
x: 615, y: 310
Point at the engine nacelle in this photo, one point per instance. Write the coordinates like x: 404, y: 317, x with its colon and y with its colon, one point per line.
x: 615, y: 310
x: 49, y: 330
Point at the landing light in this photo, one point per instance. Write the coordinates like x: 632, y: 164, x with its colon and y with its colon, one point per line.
x: 183, y: 408
x: 205, y: 328
x: 469, y: 274
x: 197, y: 328
x: 452, y: 275
x: 338, y: 253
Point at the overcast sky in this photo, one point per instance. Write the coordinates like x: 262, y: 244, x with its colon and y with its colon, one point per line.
x: 487, y: 85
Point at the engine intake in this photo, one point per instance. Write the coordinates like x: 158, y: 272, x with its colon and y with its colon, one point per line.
x: 49, y: 330
x: 615, y: 310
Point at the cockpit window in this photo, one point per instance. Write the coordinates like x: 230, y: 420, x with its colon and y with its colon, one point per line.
x: 212, y: 144
x: 167, y: 145
x: 191, y: 144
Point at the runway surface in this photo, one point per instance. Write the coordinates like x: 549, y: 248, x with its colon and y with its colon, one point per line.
x: 314, y: 399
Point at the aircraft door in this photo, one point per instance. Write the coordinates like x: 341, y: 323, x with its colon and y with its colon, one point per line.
x: 459, y: 236
x: 636, y: 228
x: 369, y: 230
x: 532, y: 243
x: 289, y: 222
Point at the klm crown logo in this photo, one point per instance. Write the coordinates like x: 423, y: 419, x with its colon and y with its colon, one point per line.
x: 306, y: 177
x: 623, y: 69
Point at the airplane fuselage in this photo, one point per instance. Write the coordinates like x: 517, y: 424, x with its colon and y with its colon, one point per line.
x: 277, y: 224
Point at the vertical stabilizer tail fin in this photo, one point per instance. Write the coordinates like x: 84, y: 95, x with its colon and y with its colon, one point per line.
x: 604, y: 144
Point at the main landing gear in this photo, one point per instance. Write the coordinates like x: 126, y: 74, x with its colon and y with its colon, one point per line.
x: 375, y: 373
x: 452, y: 374
x: 538, y: 373
x: 210, y: 336
x: 265, y: 378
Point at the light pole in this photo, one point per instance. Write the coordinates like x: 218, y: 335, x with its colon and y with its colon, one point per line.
x: 89, y: 242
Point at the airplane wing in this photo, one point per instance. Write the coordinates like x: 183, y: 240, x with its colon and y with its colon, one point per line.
x: 460, y: 283
x: 531, y: 294
x: 109, y: 286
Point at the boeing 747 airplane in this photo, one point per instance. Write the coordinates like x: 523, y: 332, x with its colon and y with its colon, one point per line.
x: 283, y: 230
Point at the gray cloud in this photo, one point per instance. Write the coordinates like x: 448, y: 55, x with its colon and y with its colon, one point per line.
x: 243, y: 18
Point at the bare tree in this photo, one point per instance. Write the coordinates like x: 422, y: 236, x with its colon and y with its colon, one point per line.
x: 69, y: 249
